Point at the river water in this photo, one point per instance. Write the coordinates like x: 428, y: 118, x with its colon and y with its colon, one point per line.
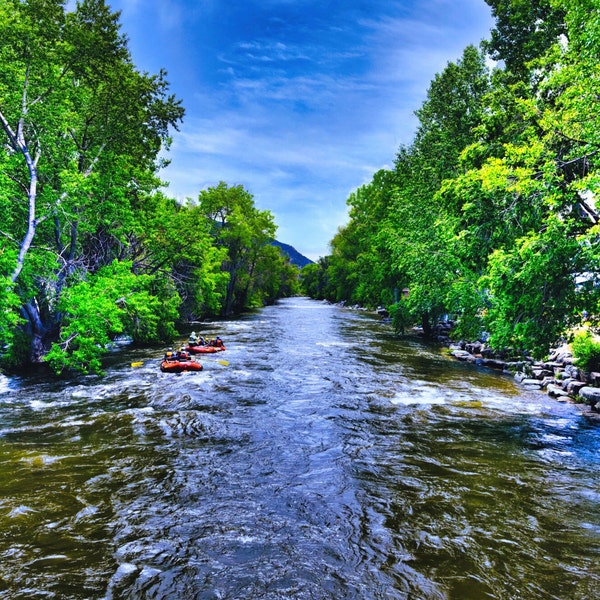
x: 319, y: 457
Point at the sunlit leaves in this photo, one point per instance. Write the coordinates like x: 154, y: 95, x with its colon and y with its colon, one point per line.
x: 494, y: 214
x: 244, y: 232
x: 112, y: 302
x: 532, y: 292
x: 82, y: 130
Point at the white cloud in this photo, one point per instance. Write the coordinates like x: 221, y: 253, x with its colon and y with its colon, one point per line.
x: 300, y: 112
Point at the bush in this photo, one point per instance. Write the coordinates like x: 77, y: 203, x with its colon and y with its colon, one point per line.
x: 401, y: 317
x: 586, y: 351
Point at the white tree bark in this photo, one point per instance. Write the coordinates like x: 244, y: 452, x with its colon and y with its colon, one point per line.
x: 19, y: 144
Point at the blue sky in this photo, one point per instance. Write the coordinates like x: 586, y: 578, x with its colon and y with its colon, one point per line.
x: 299, y: 101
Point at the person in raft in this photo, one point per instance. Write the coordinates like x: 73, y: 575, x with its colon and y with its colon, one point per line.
x: 182, y: 354
x: 196, y: 340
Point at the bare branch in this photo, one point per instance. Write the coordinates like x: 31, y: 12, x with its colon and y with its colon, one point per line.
x: 12, y: 136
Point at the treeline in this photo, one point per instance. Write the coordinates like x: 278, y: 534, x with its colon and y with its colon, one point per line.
x: 90, y: 249
x: 490, y: 214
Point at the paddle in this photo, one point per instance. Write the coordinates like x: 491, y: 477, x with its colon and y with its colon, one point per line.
x: 137, y: 364
x: 223, y: 362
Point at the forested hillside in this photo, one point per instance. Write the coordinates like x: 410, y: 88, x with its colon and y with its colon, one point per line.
x: 490, y: 213
x: 89, y: 247
x: 296, y: 258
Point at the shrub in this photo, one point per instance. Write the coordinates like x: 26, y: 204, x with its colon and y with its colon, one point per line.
x: 400, y: 315
x: 586, y: 350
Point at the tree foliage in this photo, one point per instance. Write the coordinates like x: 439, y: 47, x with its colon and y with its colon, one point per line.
x: 244, y: 233
x: 111, y: 302
x: 492, y: 217
x: 524, y: 31
x: 89, y: 246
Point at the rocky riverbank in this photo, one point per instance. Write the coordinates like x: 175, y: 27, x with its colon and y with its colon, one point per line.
x: 557, y: 376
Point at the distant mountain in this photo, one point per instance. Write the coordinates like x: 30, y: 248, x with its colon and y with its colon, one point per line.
x: 295, y: 257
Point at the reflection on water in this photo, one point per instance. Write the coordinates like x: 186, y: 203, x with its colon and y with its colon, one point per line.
x: 326, y: 459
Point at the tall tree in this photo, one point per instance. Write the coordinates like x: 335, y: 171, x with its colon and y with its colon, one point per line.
x: 420, y: 227
x: 528, y: 206
x: 448, y: 118
x: 82, y: 129
x: 244, y: 232
x: 523, y: 32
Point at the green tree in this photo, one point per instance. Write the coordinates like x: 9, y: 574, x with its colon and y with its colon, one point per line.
x: 275, y: 277
x: 533, y: 297
x: 418, y: 238
x: 452, y: 111
x: 421, y: 229
x: 174, y: 241
x: 82, y: 129
x: 111, y: 302
x: 359, y: 261
x: 523, y: 32
x: 245, y: 233
x: 492, y: 212
x: 402, y: 232
x: 544, y: 183
x: 314, y: 279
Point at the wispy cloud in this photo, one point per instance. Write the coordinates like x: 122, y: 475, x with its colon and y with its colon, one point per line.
x: 299, y: 101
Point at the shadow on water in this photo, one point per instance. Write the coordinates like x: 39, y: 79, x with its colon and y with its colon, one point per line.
x: 320, y: 458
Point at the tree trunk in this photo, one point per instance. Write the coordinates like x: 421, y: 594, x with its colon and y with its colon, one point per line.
x: 228, y: 308
x: 37, y: 330
x: 18, y: 144
x: 426, y: 324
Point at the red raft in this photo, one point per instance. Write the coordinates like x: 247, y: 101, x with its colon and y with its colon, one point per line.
x: 206, y: 349
x: 179, y: 365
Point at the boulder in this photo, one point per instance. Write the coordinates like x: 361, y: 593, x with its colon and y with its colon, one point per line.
x: 574, y: 387
x: 564, y: 383
x: 532, y: 383
x: 494, y: 363
x: 557, y: 392
x: 474, y: 348
x: 590, y: 394
x: 462, y: 354
x: 572, y: 371
x: 562, y: 355
x: 520, y: 376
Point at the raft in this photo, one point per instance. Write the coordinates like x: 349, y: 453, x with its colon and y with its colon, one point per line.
x: 179, y: 365
x: 199, y: 349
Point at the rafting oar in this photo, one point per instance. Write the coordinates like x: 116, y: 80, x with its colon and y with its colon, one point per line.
x: 137, y: 364
x: 223, y: 362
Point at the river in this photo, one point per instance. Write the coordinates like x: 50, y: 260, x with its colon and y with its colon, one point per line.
x: 319, y: 457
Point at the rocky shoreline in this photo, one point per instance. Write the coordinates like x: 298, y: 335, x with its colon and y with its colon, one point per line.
x: 557, y: 375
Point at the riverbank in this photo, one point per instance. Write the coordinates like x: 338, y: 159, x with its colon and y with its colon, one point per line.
x: 557, y: 375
